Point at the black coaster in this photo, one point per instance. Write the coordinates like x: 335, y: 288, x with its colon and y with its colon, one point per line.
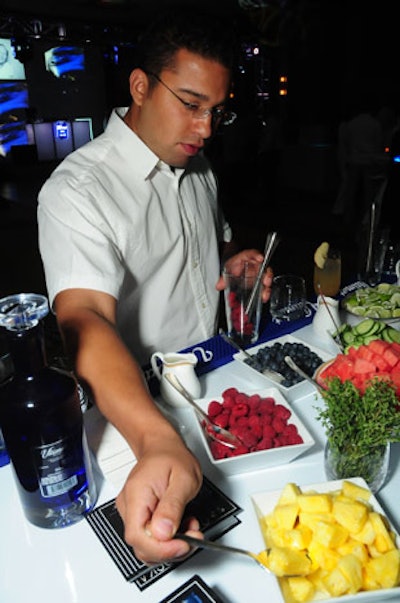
x: 215, y: 511
x: 195, y: 590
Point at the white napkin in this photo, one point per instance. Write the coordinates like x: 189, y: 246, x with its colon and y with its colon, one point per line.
x: 113, y: 454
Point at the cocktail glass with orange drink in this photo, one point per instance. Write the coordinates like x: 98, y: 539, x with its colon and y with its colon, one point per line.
x: 327, y: 270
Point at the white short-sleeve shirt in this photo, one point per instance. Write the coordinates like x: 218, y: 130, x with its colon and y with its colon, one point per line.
x: 114, y: 218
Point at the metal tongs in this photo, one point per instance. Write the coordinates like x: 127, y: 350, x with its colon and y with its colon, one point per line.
x: 291, y: 363
x: 271, y: 374
x: 271, y: 243
x: 229, y: 439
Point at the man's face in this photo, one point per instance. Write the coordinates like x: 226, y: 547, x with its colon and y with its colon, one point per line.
x: 162, y: 121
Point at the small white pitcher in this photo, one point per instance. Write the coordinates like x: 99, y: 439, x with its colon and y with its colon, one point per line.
x: 182, y: 366
x: 326, y: 319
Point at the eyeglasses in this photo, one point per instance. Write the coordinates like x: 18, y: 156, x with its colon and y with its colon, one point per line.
x: 218, y: 115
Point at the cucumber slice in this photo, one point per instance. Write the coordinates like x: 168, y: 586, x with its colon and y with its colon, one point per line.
x: 367, y: 327
x: 349, y: 337
x: 393, y: 335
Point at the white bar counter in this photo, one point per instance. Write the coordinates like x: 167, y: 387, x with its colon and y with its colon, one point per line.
x: 71, y: 566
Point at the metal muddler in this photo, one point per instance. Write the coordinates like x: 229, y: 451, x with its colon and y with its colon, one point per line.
x: 271, y: 243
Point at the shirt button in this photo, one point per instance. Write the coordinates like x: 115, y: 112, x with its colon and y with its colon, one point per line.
x: 195, y: 264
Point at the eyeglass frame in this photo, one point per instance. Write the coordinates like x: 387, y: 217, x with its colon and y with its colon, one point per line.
x: 218, y: 115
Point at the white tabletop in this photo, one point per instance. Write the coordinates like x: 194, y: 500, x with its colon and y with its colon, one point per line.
x: 71, y: 566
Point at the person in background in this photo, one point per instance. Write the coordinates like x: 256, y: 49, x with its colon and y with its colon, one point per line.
x: 361, y: 161
x: 132, y: 240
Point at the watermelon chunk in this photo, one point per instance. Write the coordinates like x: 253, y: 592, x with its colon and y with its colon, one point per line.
x: 363, y: 367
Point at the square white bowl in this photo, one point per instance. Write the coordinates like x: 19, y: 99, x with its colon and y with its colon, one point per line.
x: 264, y: 503
x: 295, y: 391
x: 261, y: 459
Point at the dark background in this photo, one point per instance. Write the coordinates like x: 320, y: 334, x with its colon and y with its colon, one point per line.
x: 337, y: 56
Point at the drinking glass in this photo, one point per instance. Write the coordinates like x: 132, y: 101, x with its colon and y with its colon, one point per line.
x: 327, y: 279
x: 243, y: 303
x: 288, y: 298
x: 375, y: 258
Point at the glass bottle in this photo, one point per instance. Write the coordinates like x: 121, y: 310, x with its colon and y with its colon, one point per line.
x: 42, y: 422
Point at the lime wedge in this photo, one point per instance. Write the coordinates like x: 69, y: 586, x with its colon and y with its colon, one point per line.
x: 321, y: 253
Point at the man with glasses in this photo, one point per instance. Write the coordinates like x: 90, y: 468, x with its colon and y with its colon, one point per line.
x: 130, y: 235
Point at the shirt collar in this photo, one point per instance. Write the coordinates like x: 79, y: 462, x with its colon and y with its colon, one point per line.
x: 146, y: 162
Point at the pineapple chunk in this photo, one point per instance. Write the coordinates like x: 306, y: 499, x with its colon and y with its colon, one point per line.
x: 329, y: 534
x: 384, y: 570
x: 312, y: 519
x: 322, y: 556
x: 383, y: 539
x: 315, y: 503
x: 318, y: 579
x: 351, y: 515
x: 358, y: 549
x: 352, y: 490
x: 289, y: 494
x: 298, y: 538
x: 275, y: 537
x: 351, y: 568
x: 336, y: 583
x: 301, y: 588
x: 367, y: 533
x: 286, y: 515
x: 286, y: 562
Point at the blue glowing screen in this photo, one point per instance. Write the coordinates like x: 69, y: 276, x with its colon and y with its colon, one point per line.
x: 65, y: 61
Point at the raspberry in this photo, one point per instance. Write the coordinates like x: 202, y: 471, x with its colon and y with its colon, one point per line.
x: 241, y: 398
x: 222, y: 420
x: 290, y: 430
x: 232, y: 299
x: 228, y: 397
x: 266, y: 406
x: 229, y: 402
x: 248, y: 438
x: 219, y: 451
x: 294, y: 439
x: 240, y: 410
x: 264, y: 444
x: 254, y: 421
x: 255, y: 426
x: 269, y: 432
x: 265, y: 419
x: 282, y: 412
x: 240, y: 450
x: 231, y: 391
x: 214, y: 409
x: 254, y: 402
x: 278, y: 424
x: 280, y: 441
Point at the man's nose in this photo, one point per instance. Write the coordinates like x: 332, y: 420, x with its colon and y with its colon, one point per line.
x: 204, y: 126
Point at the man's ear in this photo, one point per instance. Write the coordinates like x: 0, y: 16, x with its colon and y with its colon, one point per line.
x: 138, y: 86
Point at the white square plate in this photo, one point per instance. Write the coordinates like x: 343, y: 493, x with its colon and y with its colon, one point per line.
x: 264, y: 503
x: 262, y: 459
x: 293, y: 392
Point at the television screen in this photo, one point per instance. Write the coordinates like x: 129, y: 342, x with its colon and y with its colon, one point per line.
x: 13, y: 99
x: 12, y: 133
x: 10, y: 67
x: 65, y: 61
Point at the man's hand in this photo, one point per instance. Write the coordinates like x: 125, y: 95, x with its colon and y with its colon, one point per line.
x: 154, y: 498
x: 234, y: 264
